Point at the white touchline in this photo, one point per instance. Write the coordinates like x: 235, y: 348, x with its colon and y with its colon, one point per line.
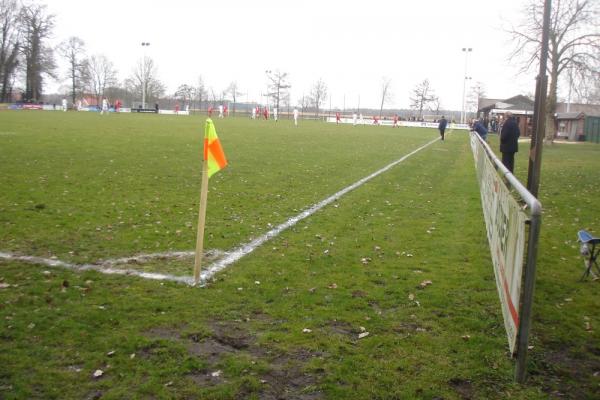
x: 247, y: 248
x: 231, y: 257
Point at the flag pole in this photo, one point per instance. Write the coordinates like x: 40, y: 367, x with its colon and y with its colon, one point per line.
x: 201, y: 222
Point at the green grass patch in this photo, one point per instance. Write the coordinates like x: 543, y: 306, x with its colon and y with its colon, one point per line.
x: 284, y: 321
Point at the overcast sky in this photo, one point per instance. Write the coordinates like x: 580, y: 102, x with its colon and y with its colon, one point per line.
x: 350, y: 44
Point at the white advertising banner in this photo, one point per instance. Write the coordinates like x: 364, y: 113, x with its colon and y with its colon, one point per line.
x: 505, y: 224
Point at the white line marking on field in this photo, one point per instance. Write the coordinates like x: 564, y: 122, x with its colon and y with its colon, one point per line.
x: 247, y: 248
x: 107, y: 266
x: 104, y: 268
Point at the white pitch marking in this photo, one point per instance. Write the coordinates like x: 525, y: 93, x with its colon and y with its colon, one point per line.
x: 106, y: 266
x: 247, y: 248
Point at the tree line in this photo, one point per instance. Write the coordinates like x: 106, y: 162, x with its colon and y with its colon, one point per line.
x: 28, y: 61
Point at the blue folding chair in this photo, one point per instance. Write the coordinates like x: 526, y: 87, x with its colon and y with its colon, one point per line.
x: 590, y: 251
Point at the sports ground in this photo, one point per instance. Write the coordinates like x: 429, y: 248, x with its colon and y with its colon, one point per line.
x: 386, y: 291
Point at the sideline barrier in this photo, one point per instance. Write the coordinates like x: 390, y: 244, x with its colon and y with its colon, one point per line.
x: 506, y: 221
x: 389, y: 122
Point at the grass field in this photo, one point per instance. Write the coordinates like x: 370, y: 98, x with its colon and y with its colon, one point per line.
x: 284, y: 321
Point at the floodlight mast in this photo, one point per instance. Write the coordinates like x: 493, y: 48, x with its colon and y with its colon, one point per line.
x: 144, y: 45
x: 465, y: 50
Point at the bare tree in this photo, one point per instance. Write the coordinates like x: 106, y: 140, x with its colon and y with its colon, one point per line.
x: 586, y: 83
x: 318, y: 94
x: 304, y: 103
x: 37, y: 27
x: 234, y: 92
x: 9, y: 46
x: 386, y: 95
x: 422, y: 96
x: 102, y: 74
x: 73, y: 49
x: 277, y: 85
x: 144, y: 81
x: 573, y: 42
x: 185, y: 93
x: 435, y: 105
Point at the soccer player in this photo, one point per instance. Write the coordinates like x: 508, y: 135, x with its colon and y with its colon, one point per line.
x: 225, y: 110
x: 104, y: 106
x: 64, y: 104
x: 275, y: 114
x: 354, y: 119
x: 220, y: 110
x: 296, y: 116
x: 395, y: 121
x: 253, y: 112
x: 337, y: 118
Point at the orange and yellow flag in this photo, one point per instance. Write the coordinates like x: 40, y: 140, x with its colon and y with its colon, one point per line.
x: 213, y: 152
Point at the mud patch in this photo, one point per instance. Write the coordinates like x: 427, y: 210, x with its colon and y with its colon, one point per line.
x: 342, y: 328
x: 409, y: 327
x: 210, y: 350
x: 564, y: 368
x: 232, y: 335
x: 463, y: 387
x: 286, y: 377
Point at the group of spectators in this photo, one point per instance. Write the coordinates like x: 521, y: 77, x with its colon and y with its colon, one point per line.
x: 509, y: 136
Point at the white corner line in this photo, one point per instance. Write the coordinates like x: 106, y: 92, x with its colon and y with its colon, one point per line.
x: 107, y: 266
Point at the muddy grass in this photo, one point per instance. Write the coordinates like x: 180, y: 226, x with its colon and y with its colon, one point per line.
x: 284, y: 378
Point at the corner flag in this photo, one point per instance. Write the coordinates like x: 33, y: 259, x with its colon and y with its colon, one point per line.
x: 213, y: 161
x: 213, y: 152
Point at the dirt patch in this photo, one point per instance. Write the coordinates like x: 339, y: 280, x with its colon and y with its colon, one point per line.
x: 409, y: 327
x: 463, y: 387
x: 562, y: 370
x: 209, y: 350
x: 288, y: 381
x: 342, y: 328
x: 232, y: 335
x: 164, y: 333
x: 205, y: 378
x: 285, y: 379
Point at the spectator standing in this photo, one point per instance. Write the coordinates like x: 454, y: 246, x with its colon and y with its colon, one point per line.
x: 442, y: 126
x: 509, y: 141
x: 480, y: 129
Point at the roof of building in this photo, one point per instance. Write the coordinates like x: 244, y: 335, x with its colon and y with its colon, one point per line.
x: 570, y: 115
x: 515, y: 103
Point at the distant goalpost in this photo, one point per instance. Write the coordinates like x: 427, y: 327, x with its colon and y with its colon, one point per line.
x: 513, y: 227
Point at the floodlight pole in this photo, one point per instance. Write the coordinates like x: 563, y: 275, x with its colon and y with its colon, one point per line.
x: 144, y: 45
x: 465, y: 50
x: 533, y: 182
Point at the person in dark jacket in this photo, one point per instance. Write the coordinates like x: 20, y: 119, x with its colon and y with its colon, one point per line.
x: 480, y: 129
x: 442, y: 126
x: 509, y: 141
